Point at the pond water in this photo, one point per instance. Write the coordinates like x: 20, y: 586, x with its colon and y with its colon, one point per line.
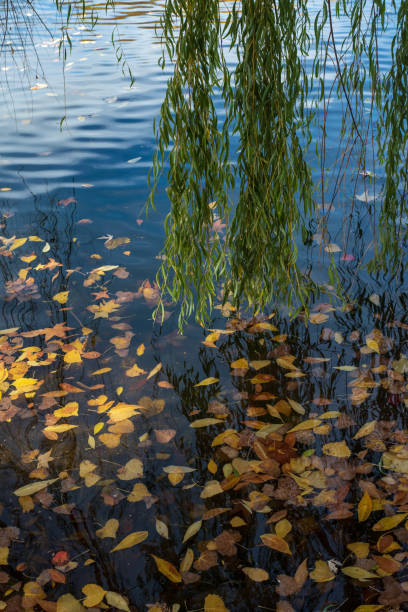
x: 287, y: 456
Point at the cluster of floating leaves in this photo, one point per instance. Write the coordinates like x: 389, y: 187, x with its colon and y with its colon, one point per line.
x: 269, y: 466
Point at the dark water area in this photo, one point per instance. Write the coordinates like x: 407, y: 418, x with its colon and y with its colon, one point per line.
x: 290, y: 452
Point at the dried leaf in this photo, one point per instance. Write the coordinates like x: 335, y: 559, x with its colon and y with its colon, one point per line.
x: 389, y: 522
x: 337, y: 449
x: 214, y: 603
x: 131, y: 540
x: 256, y: 574
x: 365, y: 507
x: 94, y: 595
x: 167, y: 569
x: 192, y: 530
x: 275, y: 542
x: 358, y: 573
x: 34, y: 487
x: 207, y: 381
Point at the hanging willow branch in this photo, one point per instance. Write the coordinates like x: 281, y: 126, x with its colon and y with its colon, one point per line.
x: 285, y: 75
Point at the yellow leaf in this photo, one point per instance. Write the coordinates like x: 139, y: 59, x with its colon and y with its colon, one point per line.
x: 101, y: 371
x: 68, y: 603
x: 365, y: 430
x: 365, y: 507
x: 109, y: 529
x: 139, y: 492
x: 131, y: 540
x: 211, y: 339
x: 110, y: 440
x: 296, y: 407
x: 59, y: 428
x: 205, y: 422
x: 282, y: 528
x: 259, y: 364
x: 34, y: 487
x: 275, y: 542
x: 18, y: 243
x: 156, y: 369
x: 94, y: 595
x: 212, y: 466
x: 256, y: 574
x: 211, y: 488
x: 73, y: 356
x: 70, y: 409
x: 117, y: 601
x: 358, y: 573
x: 4, y: 553
x: 162, y: 529
x: 264, y: 325
x: 98, y: 427
x: 167, y: 569
x: 135, y: 371
x: 207, y: 381
x: 373, y: 344
x: 360, y: 549
x: 322, y: 572
x: 214, y: 603
x: 61, y: 297
x: 192, y: 530
x: 389, y: 522
x: 187, y: 561
x: 132, y: 469
x: 304, y: 425
x: 122, y: 411
x: 140, y: 349
x: 240, y: 364
x: 337, y: 449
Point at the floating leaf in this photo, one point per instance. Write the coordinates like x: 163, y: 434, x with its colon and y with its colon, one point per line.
x: 155, y: 370
x: 240, y: 364
x: 214, y: 603
x: 68, y: 603
x: 167, y: 569
x: 304, y: 425
x: 132, y: 469
x: 59, y: 428
x: 365, y: 507
x: 256, y: 574
x: 131, y: 540
x: 109, y: 529
x: 205, y: 422
x: 337, y: 449
x: 332, y: 248
x: 360, y: 549
x: 207, y: 381
x: 358, y: 573
x: 94, y: 595
x: 322, y: 572
x: 117, y: 601
x: 275, y: 542
x: 162, y: 529
x: 365, y: 430
x: 389, y: 522
x: 61, y: 297
x: 211, y: 488
x: 192, y: 530
x: 34, y: 487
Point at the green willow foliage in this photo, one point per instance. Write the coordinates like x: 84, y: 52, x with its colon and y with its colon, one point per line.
x: 272, y: 93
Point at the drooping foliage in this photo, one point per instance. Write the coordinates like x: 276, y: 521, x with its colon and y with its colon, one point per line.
x: 251, y: 169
